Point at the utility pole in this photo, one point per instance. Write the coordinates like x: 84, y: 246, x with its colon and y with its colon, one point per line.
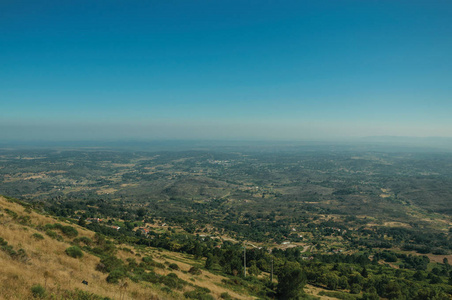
x: 244, y: 260
x: 271, y: 274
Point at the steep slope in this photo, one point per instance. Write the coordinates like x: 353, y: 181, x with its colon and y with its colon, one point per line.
x: 33, y: 252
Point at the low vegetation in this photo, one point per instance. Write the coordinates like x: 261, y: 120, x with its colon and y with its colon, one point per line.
x: 74, y: 252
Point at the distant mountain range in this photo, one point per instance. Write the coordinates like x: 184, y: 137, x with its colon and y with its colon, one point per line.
x: 384, y: 143
x: 430, y: 142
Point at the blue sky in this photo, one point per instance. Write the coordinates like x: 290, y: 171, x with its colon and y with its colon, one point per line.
x: 224, y: 69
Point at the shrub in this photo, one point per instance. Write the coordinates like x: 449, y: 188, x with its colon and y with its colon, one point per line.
x: 202, y: 289
x: 147, y: 259
x: 151, y: 277
x: 169, y: 282
x: 225, y: 295
x: 149, y: 262
x: 24, y: 220
x: 198, y: 294
x: 57, y: 226
x: 38, y: 291
x: 37, y: 236
x: 172, y: 275
x: 69, y: 231
x: 173, y: 266
x: 172, y: 281
x: 195, y: 271
x: 74, y: 252
x: 83, y: 239
x: 109, y: 264
x: 11, y: 213
x: 18, y: 255
x: 115, y: 275
x: 54, y: 235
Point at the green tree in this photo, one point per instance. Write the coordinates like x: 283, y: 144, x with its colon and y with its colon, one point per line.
x: 141, y: 212
x: 343, y: 282
x: 364, y: 273
x: 355, y: 288
x: 253, y: 269
x: 291, y: 281
x: 209, y: 262
x: 82, y: 221
x: 393, y: 290
x: 331, y: 281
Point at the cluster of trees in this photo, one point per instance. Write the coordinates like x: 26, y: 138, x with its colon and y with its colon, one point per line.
x: 357, y: 273
x: 360, y: 273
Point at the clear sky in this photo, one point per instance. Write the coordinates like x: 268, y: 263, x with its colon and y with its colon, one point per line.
x: 106, y: 69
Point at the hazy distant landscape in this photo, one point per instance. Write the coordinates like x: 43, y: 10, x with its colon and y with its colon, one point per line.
x: 325, y: 202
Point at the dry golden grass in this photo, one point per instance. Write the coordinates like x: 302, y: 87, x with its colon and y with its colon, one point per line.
x: 48, y: 257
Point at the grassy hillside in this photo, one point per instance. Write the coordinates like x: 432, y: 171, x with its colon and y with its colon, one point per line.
x: 30, y: 257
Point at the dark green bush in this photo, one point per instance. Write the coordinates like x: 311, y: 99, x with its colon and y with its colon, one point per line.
x: 151, y: 277
x: 149, y: 262
x: 24, y: 220
x: 172, y: 281
x: 37, y: 236
x: 174, y: 266
x: 38, y: 291
x: 57, y: 226
x: 19, y: 255
x: 195, y: 271
x: 147, y: 259
x: 74, y: 252
x: 109, y: 264
x: 169, y: 282
x: 198, y: 294
x: 54, y: 235
x: 115, y: 276
x: 69, y: 231
x: 83, y: 239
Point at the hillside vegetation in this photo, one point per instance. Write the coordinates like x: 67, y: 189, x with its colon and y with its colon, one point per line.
x: 33, y: 255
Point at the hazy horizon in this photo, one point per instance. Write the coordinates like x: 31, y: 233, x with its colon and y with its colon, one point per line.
x: 297, y: 70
